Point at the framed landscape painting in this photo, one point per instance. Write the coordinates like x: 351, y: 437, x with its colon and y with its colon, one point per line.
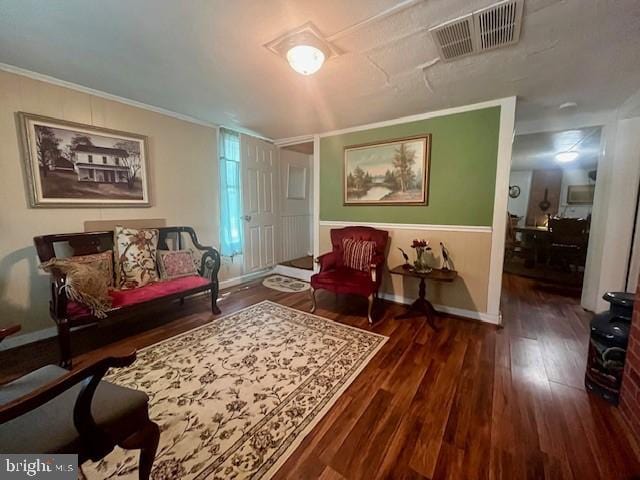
x: 74, y: 165
x: 394, y: 172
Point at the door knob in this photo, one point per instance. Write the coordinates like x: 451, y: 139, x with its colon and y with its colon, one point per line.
x: 247, y: 218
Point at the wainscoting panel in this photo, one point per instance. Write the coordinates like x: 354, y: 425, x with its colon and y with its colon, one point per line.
x: 470, y: 252
x: 296, y: 236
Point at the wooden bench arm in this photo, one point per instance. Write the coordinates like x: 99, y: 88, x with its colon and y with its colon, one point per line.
x: 58, y: 302
x: 210, y: 261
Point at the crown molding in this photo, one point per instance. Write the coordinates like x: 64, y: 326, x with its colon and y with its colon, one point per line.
x: 285, y: 142
x: 499, y: 102
x: 127, y: 101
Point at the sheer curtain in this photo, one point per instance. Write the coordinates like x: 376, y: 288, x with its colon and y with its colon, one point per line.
x: 230, y: 194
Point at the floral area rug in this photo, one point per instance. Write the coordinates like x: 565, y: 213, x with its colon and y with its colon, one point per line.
x: 235, y: 397
x: 285, y: 284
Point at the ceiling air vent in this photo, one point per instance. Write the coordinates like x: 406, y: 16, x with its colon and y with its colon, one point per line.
x: 498, y: 25
x: 492, y: 27
x: 455, y: 38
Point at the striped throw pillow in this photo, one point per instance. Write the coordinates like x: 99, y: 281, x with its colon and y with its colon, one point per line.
x: 357, y: 254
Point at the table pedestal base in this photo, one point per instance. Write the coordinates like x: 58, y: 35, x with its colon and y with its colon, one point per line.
x: 421, y: 307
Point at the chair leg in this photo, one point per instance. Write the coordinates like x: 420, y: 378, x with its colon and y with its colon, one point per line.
x: 370, y: 298
x: 313, y: 299
x: 214, y: 299
x: 146, y: 440
x: 64, y: 341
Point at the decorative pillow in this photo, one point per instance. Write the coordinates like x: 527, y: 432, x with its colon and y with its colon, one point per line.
x: 84, y: 284
x: 357, y: 254
x: 135, y: 254
x: 103, y: 262
x: 175, y: 264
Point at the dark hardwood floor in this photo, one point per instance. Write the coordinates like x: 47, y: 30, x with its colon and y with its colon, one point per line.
x: 469, y: 401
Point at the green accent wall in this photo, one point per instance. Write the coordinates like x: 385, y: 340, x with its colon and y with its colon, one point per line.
x: 462, y: 176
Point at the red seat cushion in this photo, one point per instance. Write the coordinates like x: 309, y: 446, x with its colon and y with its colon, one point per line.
x: 345, y: 280
x: 124, y: 298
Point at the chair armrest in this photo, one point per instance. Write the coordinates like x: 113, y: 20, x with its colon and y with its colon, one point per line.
x: 327, y: 261
x: 377, y: 260
x: 376, y: 266
x: 92, y: 373
x: 7, y: 331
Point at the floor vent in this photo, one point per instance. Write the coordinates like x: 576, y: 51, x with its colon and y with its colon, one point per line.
x: 492, y: 27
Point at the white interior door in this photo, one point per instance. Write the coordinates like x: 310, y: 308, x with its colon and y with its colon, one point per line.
x: 260, y: 184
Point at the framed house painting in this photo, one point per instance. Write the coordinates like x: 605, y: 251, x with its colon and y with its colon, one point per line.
x: 74, y: 165
x: 393, y: 172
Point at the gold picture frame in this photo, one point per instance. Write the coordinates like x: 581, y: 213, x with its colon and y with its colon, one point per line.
x: 389, y: 172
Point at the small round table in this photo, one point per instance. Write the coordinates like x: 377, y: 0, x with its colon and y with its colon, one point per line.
x: 422, y: 306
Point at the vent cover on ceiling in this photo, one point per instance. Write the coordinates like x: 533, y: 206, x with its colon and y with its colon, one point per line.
x: 492, y: 27
x: 455, y: 38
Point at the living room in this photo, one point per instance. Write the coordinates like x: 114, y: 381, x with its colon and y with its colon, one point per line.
x: 282, y: 250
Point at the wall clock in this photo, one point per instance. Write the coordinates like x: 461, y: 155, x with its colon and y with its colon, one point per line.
x: 514, y: 191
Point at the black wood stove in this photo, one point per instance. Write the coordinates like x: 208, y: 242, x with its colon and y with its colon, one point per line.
x: 608, y: 346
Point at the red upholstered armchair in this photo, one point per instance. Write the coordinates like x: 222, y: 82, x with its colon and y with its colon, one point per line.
x: 336, y: 277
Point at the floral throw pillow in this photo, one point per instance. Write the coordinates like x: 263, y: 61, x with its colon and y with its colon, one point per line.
x: 176, y: 264
x: 135, y: 252
x: 102, y: 262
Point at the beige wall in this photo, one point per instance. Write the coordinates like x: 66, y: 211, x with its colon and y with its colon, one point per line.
x: 183, y: 180
x: 469, y: 250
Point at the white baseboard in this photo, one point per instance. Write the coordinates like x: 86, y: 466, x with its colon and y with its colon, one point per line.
x: 459, y: 312
x: 232, y: 282
x: 18, y: 341
x: 299, y: 273
x: 13, y: 342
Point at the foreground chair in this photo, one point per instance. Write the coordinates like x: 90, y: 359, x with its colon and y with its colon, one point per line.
x: 52, y: 410
x: 336, y: 277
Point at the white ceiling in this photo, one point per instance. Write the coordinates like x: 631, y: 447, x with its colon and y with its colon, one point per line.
x: 537, y: 151
x: 205, y: 58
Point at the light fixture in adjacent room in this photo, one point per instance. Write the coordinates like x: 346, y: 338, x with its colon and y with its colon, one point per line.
x: 304, y: 48
x: 566, y: 157
x: 305, y: 59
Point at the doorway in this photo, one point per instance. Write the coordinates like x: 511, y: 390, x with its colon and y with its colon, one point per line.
x: 551, y: 191
x: 296, y: 179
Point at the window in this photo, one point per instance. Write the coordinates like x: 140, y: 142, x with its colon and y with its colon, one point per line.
x: 117, y: 161
x: 104, y: 160
x: 90, y: 158
x: 230, y: 201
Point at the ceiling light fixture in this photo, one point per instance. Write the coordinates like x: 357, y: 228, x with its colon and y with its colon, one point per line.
x: 305, y: 59
x: 565, y: 157
x: 304, y: 48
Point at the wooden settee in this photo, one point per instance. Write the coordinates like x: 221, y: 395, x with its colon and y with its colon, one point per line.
x: 127, y: 304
